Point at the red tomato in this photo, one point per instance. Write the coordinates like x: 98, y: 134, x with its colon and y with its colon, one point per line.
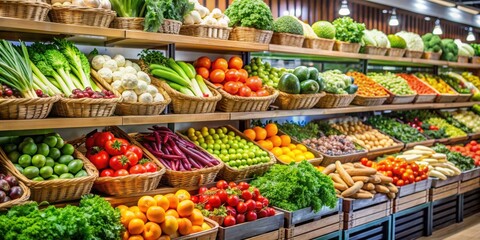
x: 243, y: 75
x: 103, y: 138
x: 137, y: 150
x: 203, y: 199
x: 220, y: 63
x: 400, y: 183
x: 90, y: 142
x: 235, y: 63
x: 118, y: 162
x: 203, y: 62
x: 240, y: 218
x: 369, y: 163
x: 202, y: 71
x: 150, y: 166
x: 222, y: 194
x: 407, y: 182
x: 405, y: 176
x: 246, y: 195
x: 242, y: 207
x: 262, y: 93
x: 229, y: 221
x: 411, y: 178
x: 231, y: 211
x: 418, y: 179
x: 222, y: 184
x: 107, y: 173
x: 232, y: 75
x: 194, y: 199
x: 254, y: 83
x: 232, y: 184
x: 98, y: 157
x: 258, y: 205
x: 214, y: 201
x: 364, y: 161
x: 217, y: 76
x: 250, y: 205
x: 473, y: 143
x: 121, y: 172
x: 218, y: 85
x: 137, y: 169
x: 233, y: 200
x: 262, y: 213
x: 256, y: 192
x: 251, y: 216
x: 231, y: 87
x: 202, y: 190
x: 243, y: 185
x: 265, y: 202
x: 270, y: 211
x: 115, y: 147
x: 132, y: 158
x: 208, y: 207
x: 245, y: 91
x: 254, y: 94
x: 474, y: 148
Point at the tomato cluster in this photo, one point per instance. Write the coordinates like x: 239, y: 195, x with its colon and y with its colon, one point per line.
x: 230, y: 76
x: 402, y: 172
x: 116, y: 156
x: 240, y: 201
x: 470, y: 150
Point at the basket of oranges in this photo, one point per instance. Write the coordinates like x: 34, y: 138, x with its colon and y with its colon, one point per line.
x: 284, y: 148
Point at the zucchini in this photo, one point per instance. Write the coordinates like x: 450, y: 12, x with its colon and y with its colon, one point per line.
x: 170, y: 77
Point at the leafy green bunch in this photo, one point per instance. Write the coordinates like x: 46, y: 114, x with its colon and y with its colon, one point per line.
x: 158, y: 10
x: 460, y: 161
x: 348, y: 30
x: 250, y: 13
x: 476, y: 48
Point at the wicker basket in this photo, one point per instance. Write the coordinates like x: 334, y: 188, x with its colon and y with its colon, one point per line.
x: 82, y: 16
x: 476, y: 59
x: 58, y: 189
x: 22, y: 199
x: 425, y: 98
x: 26, y: 108
x: 399, y: 99
x: 85, y: 107
x: 28, y: 10
x: 206, y: 31
x: 124, y: 185
x: 328, y: 159
x: 315, y: 162
x: 395, y: 52
x: 369, y: 101
x: 210, y: 234
x: 287, y: 39
x: 462, y: 59
x: 194, y: 178
x: 319, y: 43
x: 232, y: 103
x: 375, y: 50
x: 170, y: 26
x: 432, y: 55
x: 184, y: 104
x: 247, y: 34
x: 347, y: 47
x: 335, y: 100
x: 231, y: 174
x: 124, y: 108
x: 446, y: 98
x: 288, y: 101
x: 463, y: 97
x: 130, y: 23
x: 413, y: 54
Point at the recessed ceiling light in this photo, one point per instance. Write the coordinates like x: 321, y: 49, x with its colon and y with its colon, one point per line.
x: 427, y: 19
x: 444, y: 3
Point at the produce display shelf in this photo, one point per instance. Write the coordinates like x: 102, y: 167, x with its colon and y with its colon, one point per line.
x: 412, y: 223
x: 445, y: 212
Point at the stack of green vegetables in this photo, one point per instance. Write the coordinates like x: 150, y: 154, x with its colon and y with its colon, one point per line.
x: 338, y: 83
x: 178, y: 75
x: 460, y: 161
x: 250, y: 13
x: 432, y: 43
x: 450, y: 130
x: 449, y: 50
x: 476, y: 49
x: 347, y: 30
x: 300, y: 130
x: 455, y: 83
x: 400, y: 131
x: 297, y: 186
x: 94, y: 218
x: 270, y: 75
x: 393, y: 83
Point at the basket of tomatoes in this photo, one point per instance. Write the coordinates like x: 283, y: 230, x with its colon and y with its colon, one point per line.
x: 123, y: 166
x: 239, y: 92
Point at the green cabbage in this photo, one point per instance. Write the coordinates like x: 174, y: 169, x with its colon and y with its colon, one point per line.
x: 414, y: 41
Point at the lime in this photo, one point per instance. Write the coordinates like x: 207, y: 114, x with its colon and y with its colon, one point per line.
x: 65, y: 159
x: 38, y: 179
x: 28, y: 139
x: 30, y: 172
x: 75, y: 166
x: 49, y: 162
x: 60, y: 142
x: 81, y: 173
x: 66, y: 176
x: 46, y: 172
x: 53, y: 177
x: 43, y: 149
x: 67, y: 149
x: 54, y: 153
x: 39, y: 160
x: 10, y: 147
x: 30, y: 148
x: 51, y: 141
x: 19, y: 168
x: 13, y: 156
x: 25, y: 160
x: 60, y: 169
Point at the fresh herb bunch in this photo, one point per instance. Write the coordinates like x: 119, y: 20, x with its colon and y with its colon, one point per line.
x: 460, y: 161
x: 300, y: 130
x: 250, y: 13
x: 149, y: 57
x: 93, y: 219
x: 296, y: 186
x: 158, y: 10
x: 400, y: 131
x: 476, y: 48
x: 348, y: 30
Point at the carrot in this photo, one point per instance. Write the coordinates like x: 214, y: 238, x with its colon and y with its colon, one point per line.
x: 366, y: 86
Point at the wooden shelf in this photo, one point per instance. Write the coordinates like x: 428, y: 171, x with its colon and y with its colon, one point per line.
x: 463, y: 65
x: 176, y: 118
x: 47, y: 123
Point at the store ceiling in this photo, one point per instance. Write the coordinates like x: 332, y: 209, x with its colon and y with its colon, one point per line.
x: 470, y: 3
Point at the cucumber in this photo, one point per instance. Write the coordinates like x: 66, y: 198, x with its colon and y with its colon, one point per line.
x: 309, y: 87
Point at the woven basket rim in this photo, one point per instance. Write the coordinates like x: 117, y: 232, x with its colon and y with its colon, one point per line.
x: 37, y: 3
x: 342, y: 42
x: 412, y: 51
x: 289, y: 34
x: 128, y: 18
x: 172, y: 92
x: 319, y: 39
x: 301, y: 95
x: 19, y: 101
x: 85, y: 9
x: 25, y: 196
x: 252, y: 29
x: 273, y: 94
x: 371, y: 97
x: 90, y: 100
x: 205, y: 26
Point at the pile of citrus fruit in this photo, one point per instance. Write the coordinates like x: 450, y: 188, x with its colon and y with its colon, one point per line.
x: 162, y: 217
x: 280, y: 145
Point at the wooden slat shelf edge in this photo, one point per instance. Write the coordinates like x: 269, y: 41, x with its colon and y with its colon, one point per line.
x: 172, y: 118
x: 46, y: 123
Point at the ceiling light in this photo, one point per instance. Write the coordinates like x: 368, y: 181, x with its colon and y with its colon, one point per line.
x: 470, y: 36
x: 467, y: 9
x: 437, y: 30
x: 393, y: 19
x: 444, y: 3
x: 344, y: 11
x: 286, y: 13
x: 427, y: 19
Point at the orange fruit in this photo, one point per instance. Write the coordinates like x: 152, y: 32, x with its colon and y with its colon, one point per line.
x: 205, y: 226
x: 145, y: 202
x: 184, y: 226
x: 162, y: 201
x: 164, y: 237
x: 136, y: 237
x: 276, y: 140
x: 196, y: 217
x: 141, y: 215
x: 272, y: 129
x: 152, y: 231
x: 173, y: 200
x: 185, y: 208
x: 126, y: 217
x: 277, y: 151
x: 172, y: 212
x: 136, y: 226
x: 125, y: 235
x: 196, y: 229
x: 122, y: 208
x: 260, y: 133
x: 134, y: 208
x: 250, y: 134
x: 285, y: 140
x: 170, y: 225
x: 267, y: 144
x: 156, y: 214
x: 182, y: 195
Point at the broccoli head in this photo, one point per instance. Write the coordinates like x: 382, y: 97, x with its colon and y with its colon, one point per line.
x: 287, y: 24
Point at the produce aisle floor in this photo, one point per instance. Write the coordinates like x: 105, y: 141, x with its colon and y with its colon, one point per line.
x: 468, y: 229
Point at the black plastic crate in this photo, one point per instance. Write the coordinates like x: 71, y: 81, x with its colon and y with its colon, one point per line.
x: 376, y: 230
x: 445, y: 212
x: 412, y: 223
x: 471, y: 203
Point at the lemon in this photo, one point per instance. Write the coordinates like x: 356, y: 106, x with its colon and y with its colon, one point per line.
x: 301, y: 147
x: 309, y: 155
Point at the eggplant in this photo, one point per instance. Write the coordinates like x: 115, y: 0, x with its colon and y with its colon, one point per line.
x: 16, y: 192
x: 12, y: 181
x: 4, y: 186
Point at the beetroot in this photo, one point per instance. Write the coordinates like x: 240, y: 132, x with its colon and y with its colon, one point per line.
x: 16, y: 192
x: 12, y: 181
x: 4, y: 186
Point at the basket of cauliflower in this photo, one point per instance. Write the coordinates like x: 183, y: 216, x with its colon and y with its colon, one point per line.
x: 202, y: 23
x: 140, y: 96
x: 95, y: 13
